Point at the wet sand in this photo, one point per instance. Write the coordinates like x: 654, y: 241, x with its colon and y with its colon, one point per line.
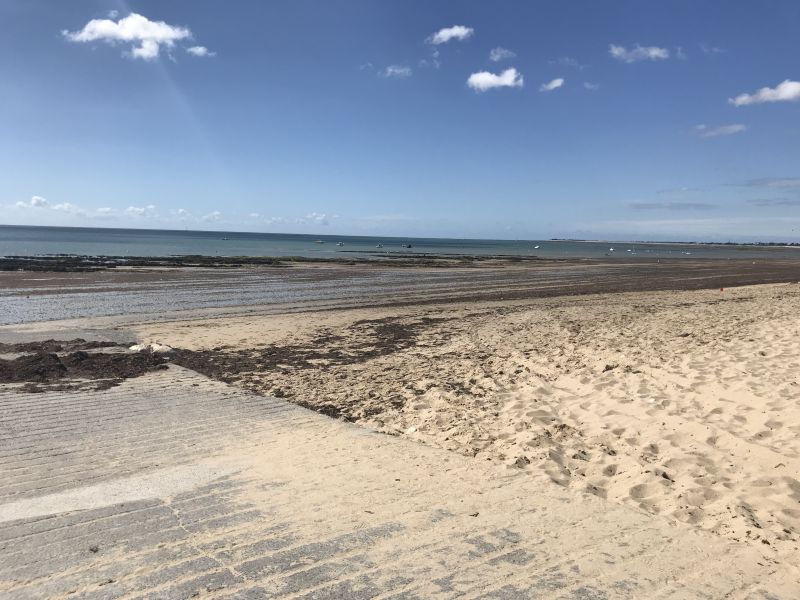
x: 37, y: 296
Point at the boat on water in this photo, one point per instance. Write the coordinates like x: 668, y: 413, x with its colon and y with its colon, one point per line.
x: 407, y: 246
x: 379, y: 246
x: 536, y: 247
x: 340, y: 243
x: 319, y: 241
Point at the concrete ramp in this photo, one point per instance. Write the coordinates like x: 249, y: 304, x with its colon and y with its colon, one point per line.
x: 175, y: 486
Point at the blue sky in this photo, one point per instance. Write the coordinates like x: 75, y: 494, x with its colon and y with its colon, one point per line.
x: 618, y: 119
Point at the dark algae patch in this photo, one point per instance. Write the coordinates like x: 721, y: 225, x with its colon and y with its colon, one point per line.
x: 368, y: 340
x: 53, y: 365
x: 374, y: 338
x: 76, y: 364
x: 55, y: 346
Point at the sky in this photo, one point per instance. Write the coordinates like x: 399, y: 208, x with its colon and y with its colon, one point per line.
x: 630, y: 119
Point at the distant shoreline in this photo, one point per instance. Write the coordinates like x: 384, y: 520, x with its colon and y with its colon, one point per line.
x: 665, y: 243
x: 332, y: 236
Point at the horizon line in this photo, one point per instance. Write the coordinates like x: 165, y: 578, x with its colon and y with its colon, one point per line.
x: 411, y: 237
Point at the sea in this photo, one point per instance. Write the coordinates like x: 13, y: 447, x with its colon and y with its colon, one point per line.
x: 83, y: 241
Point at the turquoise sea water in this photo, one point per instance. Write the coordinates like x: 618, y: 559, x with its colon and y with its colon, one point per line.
x: 29, y: 241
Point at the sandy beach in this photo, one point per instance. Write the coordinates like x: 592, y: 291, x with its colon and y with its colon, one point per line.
x: 682, y: 404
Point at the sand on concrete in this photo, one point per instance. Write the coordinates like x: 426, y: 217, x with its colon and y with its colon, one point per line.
x: 684, y: 405
x: 171, y: 485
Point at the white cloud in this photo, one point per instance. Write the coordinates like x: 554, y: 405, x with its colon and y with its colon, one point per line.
x: 711, y: 49
x: 433, y: 61
x: 104, y: 211
x: 679, y: 191
x: 275, y: 220
x: 498, y: 54
x: 181, y: 214
x: 39, y: 203
x: 672, y: 206
x: 680, y: 54
x: 775, y: 182
x: 709, y: 132
x: 140, y: 211
x: 200, y: 51
x: 591, y: 86
x: 212, y: 216
x: 318, y: 218
x: 34, y: 202
x: 70, y: 208
x: 775, y: 202
x: 146, y: 36
x: 785, y: 91
x: 638, y: 53
x: 397, y: 71
x: 568, y: 61
x: 484, y: 80
x: 551, y: 85
x: 456, y: 32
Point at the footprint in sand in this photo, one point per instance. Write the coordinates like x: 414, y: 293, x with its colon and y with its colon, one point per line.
x: 699, y: 496
x: 645, y: 490
x: 597, y: 490
x: 610, y: 470
x: 651, y: 448
x: 561, y: 476
x: 692, y: 516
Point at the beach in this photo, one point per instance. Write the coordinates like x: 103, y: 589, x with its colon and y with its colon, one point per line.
x: 665, y: 389
x: 682, y: 404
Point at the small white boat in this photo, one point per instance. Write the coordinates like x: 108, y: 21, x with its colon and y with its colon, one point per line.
x: 340, y: 243
x: 379, y: 246
x: 610, y: 249
x: 536, y: 247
